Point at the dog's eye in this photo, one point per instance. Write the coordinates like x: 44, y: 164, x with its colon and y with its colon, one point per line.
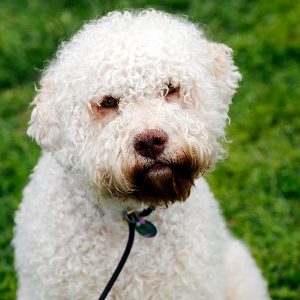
x: 171, y: 89
x: 172, y: 94
x: 109, y: 102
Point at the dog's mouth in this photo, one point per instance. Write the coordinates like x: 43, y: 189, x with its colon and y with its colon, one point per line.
x: 163, y: 184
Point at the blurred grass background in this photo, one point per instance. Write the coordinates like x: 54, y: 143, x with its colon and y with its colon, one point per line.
x: 258, y: 185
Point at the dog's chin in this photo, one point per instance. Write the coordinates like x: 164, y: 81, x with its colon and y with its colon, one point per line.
x: 161, y: 185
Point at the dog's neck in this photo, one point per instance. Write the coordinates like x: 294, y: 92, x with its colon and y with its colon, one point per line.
x: 90, y: 201
x: 119, y: 205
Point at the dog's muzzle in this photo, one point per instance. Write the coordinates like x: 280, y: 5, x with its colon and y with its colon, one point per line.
x: 162, y: 180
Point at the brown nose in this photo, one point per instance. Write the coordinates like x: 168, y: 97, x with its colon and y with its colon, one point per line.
x: 150, y: 143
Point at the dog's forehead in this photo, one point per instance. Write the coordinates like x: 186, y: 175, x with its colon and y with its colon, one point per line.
x: 117, y: 44
x: 137, y: 49
x: 130, y: 56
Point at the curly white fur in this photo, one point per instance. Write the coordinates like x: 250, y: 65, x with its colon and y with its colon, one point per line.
x: 66, y: 244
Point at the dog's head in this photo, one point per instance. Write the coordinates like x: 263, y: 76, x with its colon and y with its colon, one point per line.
x: 134, y: 105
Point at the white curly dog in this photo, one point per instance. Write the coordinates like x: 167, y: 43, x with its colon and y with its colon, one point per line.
x: 129, y: 114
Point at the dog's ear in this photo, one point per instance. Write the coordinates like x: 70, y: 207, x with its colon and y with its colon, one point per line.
x: 45, y: 124
x: 224, y: 71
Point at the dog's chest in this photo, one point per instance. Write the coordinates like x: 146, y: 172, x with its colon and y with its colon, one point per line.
x: 74, y: 249
x: 179, y: 257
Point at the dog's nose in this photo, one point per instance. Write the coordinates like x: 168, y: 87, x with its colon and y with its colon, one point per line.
x: 150, y: 143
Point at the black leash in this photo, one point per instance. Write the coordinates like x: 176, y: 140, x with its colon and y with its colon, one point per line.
x: 143, y: 227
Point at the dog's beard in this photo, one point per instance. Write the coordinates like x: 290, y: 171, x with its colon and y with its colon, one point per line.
x: 158, y: 181
x: 163, y: 184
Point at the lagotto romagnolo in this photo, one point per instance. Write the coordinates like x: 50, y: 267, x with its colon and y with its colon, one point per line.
x: 129, y: 114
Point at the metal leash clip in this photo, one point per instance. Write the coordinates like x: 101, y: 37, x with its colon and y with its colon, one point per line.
x: 143, y: 227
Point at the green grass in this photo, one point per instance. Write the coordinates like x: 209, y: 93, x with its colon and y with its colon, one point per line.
x: 258, y: 185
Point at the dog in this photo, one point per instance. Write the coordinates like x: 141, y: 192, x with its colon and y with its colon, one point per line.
x: 130, y: 114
